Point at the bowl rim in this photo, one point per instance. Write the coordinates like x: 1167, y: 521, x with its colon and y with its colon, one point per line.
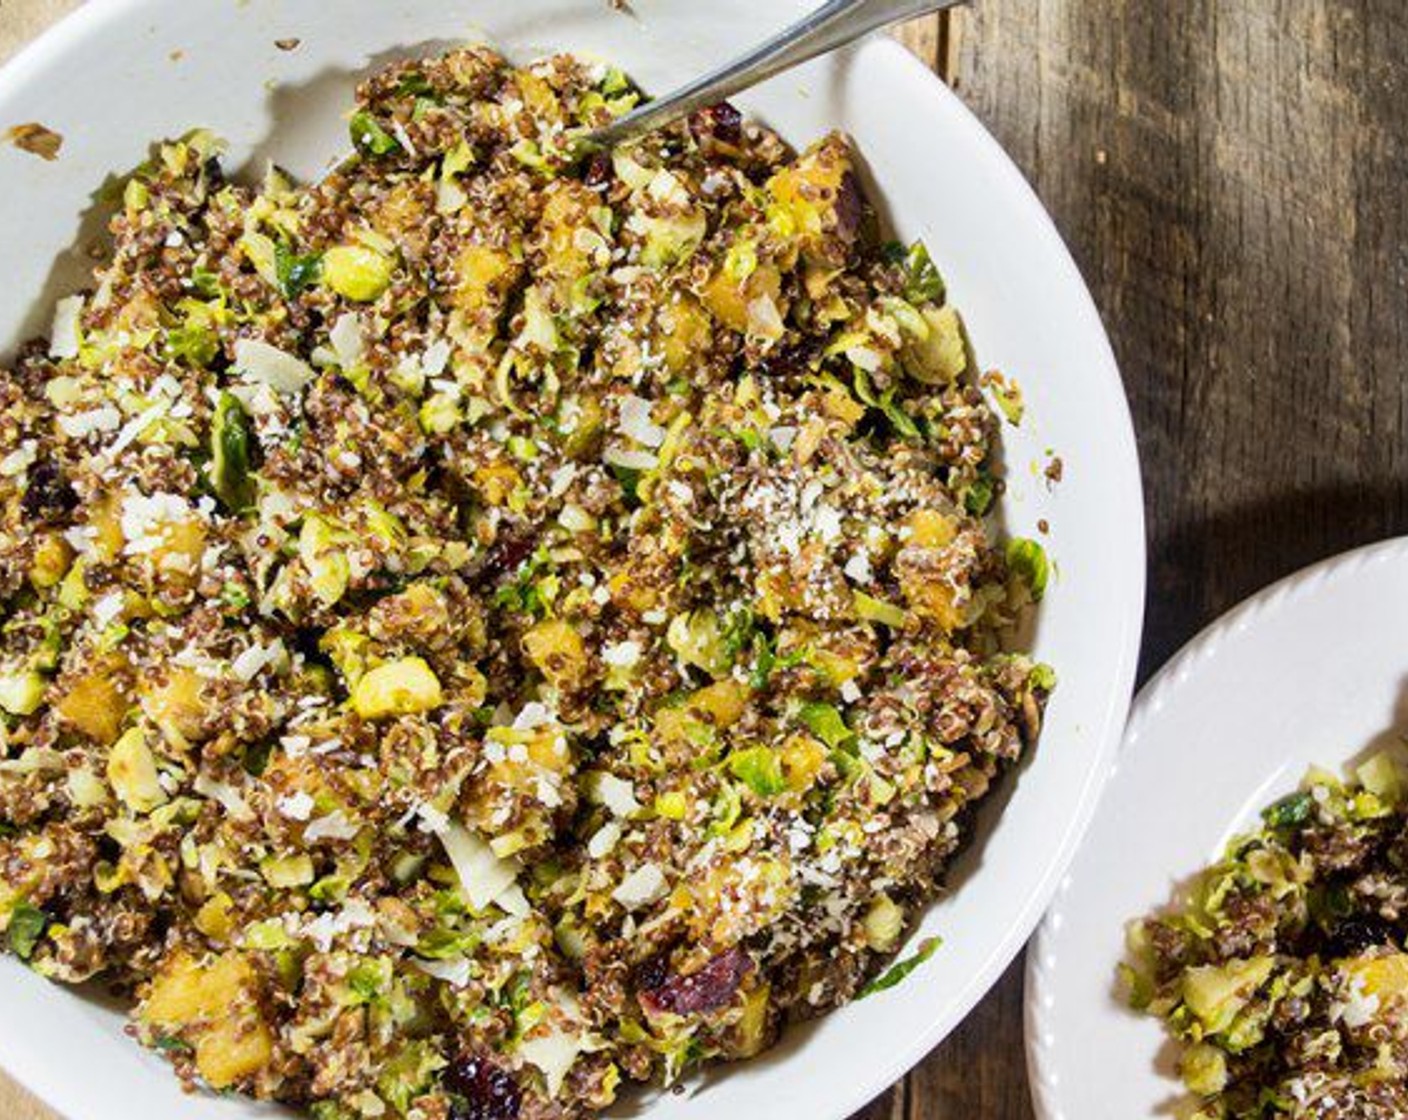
x: 1126, y: 536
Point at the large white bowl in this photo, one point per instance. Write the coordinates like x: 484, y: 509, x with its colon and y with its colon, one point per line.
x: 120, y: 73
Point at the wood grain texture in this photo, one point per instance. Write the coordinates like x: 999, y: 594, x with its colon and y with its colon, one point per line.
x: 1231, y: 180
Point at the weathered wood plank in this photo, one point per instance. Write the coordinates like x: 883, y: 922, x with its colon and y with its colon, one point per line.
x: 924, y: 38
x: 1230, y: 179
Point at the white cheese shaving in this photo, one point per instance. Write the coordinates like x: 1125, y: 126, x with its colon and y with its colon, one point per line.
x: 643, y: 886
x: 484, y: 877
x: 322, y: 929
x: 80, y: 424
x: 618, y: 456
x: 107, y: 608
x: 532, y: 716
x: 334, y: 826
x: 622, y: 655
x: 346, y: 339
x: 615, y: 793
x: 457, y: 973
x: 857, y: 568
x: 64, y: 337
x: 604, y: 840
x: 268, y: 365
x: 553, y: 1053
x: 637, y: 424
x: 435, y: 358
x: 225, y: 795
x: 256, y: 658
x: 296, y: 806
x: 136, y: 426
x: 828, y: 523
x: 18, y: 460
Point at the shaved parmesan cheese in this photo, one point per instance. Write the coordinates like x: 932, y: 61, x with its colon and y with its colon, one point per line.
x: 615, y: 793
x: 137, y: 425
x: 619, y: 456
x: 334, y: 826
x: 532, y: 715
x: 858, y: 568
x: 269, y: 365
x: 621, y: 655
x: 456, y: 973
x: 64, y: 338
x: 346, y: 339
x: 484, y: 877
x: 636, y: 422
x: 641, y: 887
x: 296, y: 806
x: 256, y: 658
x: 18, y: 460
x: 224, y: 795
x: 81, y: 424
x: 604, y: 839
x: 553, y: 1053
x: 435, y: 358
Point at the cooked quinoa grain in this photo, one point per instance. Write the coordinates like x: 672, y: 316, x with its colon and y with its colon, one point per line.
x: 496, y: 624
x: 1284, y: 975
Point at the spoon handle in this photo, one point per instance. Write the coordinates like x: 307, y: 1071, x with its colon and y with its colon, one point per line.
x: 834, y: 24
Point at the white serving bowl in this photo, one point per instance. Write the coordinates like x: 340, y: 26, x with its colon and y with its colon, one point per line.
x: 121, y: 73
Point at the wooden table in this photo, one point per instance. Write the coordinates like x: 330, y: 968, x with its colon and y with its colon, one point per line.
x: 1233, y: 181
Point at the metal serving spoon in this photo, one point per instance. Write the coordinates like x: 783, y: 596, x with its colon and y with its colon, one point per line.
x: 833, y: 25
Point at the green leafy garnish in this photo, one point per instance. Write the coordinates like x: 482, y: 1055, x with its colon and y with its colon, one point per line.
x: 415, y: 84
x: 978, y: 495
x: 827, y: 724
x: 898, y: 972
x: 194, y: 343
x: 629, y: 478
x: 231, y: 446
x: 923, y: 284
x: 899, y: 419
x: 369, y: 138
x: 256, y: 757
x: 1043, y: 676
x: 526, y: 593
x: 170, y: 1044
x: 296, y: 273
x: 205, y: 283
x: 763, y: 661
x: 1028, y: 560
x: 760, y: 769
x: 1289, y: 812
x: 27, y: 925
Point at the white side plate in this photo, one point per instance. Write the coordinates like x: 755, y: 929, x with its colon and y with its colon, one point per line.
x: 1312, y: 671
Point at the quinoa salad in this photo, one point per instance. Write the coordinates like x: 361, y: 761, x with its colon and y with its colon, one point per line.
x: 1283, y: 977
x: 504, y: 622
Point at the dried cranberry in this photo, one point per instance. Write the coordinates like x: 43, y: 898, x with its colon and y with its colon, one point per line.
x: 48, y: 493
x: 1354, y: 935
x: 722, y: 121
x: 652, y: 973
x: 599, y: 170
x: 792, y: 360
x: 507, y: 554
x: 712, y: 987
x: 483, y: 1090
x: 850, y: 208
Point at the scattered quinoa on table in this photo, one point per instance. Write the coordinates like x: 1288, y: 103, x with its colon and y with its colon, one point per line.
x: 1284, y: 975
x: 501, y: 622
